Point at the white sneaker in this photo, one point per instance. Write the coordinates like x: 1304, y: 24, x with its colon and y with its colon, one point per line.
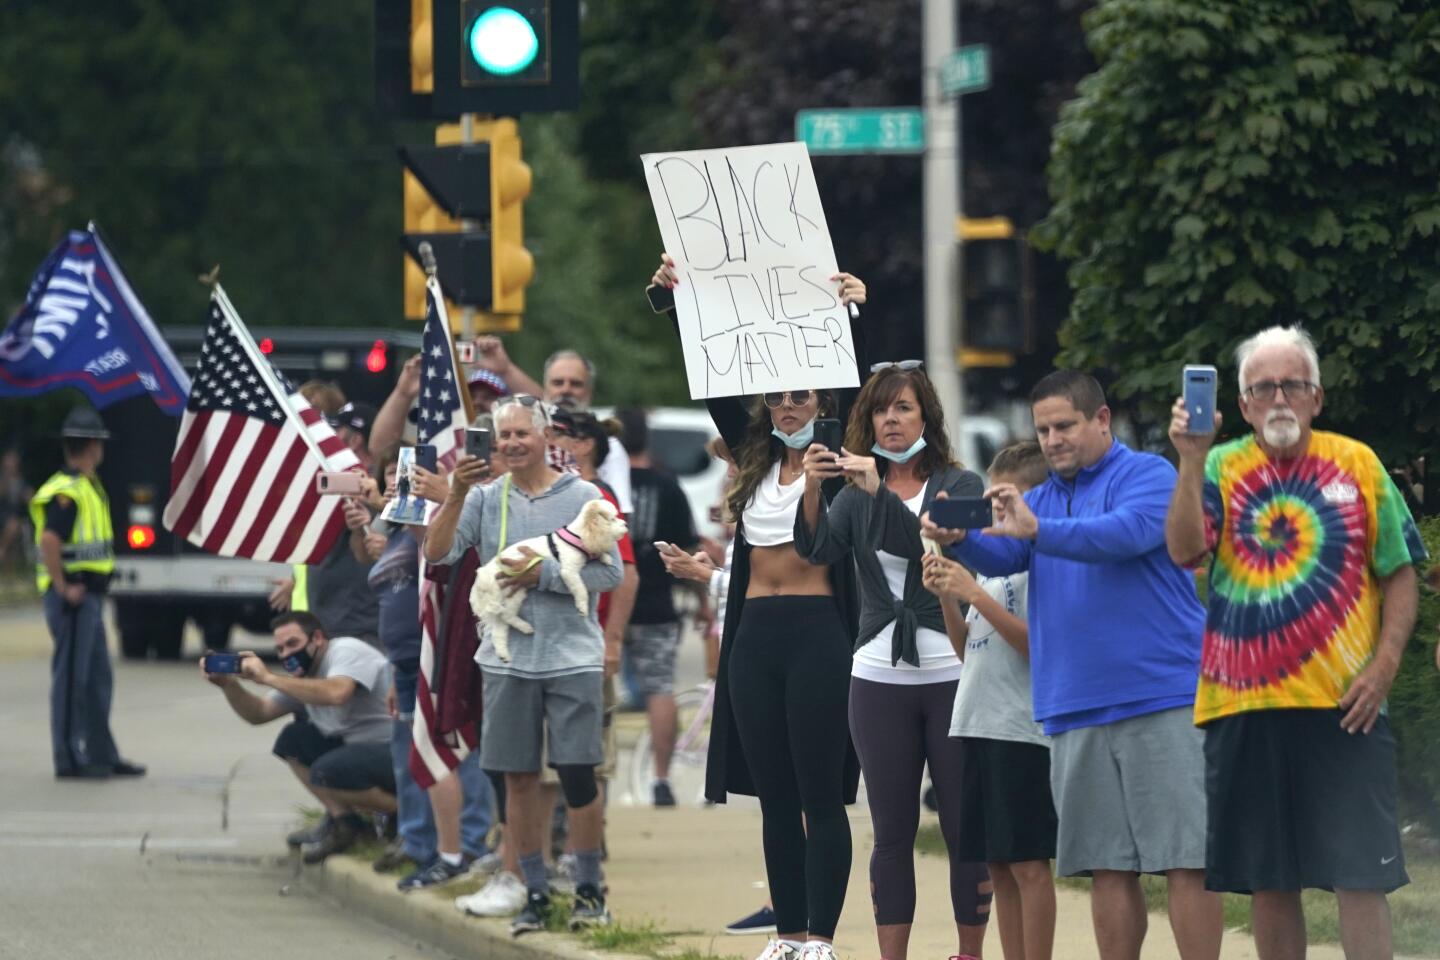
x: 817, y: 950
x: 778, y: 950
x: 503, y: 896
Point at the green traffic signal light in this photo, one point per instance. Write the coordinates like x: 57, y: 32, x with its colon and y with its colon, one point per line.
x: 502, y: 41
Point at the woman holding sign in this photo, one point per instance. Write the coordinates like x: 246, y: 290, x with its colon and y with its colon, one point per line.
x: 905, y: 672
x: 779, y: 729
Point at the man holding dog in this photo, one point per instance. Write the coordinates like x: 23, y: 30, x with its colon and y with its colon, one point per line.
x: 551, y: 687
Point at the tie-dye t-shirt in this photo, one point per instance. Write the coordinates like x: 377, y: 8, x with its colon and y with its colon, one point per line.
x: 1294, y: 599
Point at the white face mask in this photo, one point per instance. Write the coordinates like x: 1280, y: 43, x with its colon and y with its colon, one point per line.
x: 800, y: 439
x: 902, y: 457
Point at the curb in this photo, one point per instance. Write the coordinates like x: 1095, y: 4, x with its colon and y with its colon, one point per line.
x: 431, y: 917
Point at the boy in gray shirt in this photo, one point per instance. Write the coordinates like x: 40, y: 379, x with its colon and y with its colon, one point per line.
x: 551, y: 690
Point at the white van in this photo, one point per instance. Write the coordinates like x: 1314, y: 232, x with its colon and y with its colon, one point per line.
x: 677, y: 442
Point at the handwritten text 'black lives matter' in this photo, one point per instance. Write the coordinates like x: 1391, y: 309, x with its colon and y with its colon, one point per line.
x: 758, y: 263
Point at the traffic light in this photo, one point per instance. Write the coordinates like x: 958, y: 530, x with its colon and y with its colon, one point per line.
x: 997, y: 292
x: 477, y: 56
x: 467, y: 201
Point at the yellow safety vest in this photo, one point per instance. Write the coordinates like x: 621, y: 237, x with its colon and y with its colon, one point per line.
x: 91, y: 546
x: 300, y: 594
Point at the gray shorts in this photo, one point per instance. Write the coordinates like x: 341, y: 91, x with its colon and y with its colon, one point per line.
x: 650, y: 648
x: 525, y: 716
x: 1130, y: 795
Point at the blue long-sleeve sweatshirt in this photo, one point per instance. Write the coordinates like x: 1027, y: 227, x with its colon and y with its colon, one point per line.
x: 1115, y: 625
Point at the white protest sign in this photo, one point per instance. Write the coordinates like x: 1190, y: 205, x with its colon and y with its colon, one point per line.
x: 757, y: 308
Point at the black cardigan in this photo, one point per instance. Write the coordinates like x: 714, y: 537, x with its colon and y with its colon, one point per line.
x: 726, y: 770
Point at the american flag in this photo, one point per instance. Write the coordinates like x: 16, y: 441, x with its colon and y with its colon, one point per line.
x: 242, y: 478
x: 442, y: 420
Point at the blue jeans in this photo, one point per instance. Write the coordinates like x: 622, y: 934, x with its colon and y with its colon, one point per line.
x: 81, y: 684
x: 416, y: 821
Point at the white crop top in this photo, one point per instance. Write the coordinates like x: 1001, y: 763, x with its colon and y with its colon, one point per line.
x: 769, y: 517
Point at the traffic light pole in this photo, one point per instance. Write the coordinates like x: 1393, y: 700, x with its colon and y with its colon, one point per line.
x: 467, y: 313
x: 941, y: 202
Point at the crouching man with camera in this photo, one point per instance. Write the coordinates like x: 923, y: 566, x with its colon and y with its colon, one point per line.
x: 338, y: 744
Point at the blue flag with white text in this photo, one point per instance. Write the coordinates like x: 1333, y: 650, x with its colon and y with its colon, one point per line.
x: 82, y: 326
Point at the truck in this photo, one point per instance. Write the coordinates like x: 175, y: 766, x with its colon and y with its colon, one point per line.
x: 161, y: 582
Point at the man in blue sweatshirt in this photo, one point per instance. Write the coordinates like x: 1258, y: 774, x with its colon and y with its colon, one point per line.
x: 1115, y: 633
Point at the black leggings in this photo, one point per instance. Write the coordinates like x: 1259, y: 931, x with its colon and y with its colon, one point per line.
x: 897, y: 728
x: 789, y: 683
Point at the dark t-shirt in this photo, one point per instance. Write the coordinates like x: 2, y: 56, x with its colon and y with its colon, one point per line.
x: 340, y: 594
x: 661, y: 513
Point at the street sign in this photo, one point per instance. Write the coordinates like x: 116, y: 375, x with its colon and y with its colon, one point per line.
x: 864, y: 130
x: 966, y: 70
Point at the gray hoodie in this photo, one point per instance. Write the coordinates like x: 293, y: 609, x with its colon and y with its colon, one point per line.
x: 564, y: 642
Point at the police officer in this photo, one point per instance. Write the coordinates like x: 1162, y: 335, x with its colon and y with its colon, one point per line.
x: 71, y: 515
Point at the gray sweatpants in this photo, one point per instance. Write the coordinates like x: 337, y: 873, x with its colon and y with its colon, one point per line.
x: 81, y: 684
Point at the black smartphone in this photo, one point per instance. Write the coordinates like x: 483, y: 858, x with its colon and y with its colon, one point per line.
x: 477, y: 443
x: 962, y: 513
x: 662, y: 299
x: 222, y: 663
x: 425, y: 456
x: 829, y: 434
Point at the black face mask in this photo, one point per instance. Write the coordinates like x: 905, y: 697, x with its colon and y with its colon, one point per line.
x: 298, y: 664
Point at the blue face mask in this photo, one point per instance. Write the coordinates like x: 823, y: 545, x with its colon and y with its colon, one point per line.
x: 800, y: 439
x: 915, y: 448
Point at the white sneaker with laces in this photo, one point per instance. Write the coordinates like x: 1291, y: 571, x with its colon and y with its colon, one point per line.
x: 503, y: 896
x: 817, y: 950
x: 778, y: 950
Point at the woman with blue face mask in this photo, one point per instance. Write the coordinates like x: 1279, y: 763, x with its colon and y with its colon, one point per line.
x: 778, y: 731
x: 895, y: 460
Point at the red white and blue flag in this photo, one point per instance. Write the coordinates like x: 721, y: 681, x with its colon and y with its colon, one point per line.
x: 242, y: 478
x: 441, y: 422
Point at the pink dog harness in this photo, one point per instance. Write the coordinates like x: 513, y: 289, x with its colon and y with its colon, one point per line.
x: 570, y: 537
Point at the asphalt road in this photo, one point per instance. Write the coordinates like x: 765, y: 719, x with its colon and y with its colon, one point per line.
x: 188, y: 862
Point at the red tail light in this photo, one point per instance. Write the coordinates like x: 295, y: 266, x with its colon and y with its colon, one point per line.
x: 377, y: 359
x: 267, y: 345
x: 140, y: 536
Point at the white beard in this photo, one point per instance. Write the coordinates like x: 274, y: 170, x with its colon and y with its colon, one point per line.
x: 1281, y: 432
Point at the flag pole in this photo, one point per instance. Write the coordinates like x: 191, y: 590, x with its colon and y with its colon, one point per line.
x: 247, y: 343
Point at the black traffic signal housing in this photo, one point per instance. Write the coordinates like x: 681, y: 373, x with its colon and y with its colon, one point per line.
x: 997, y: 292
x: 467, y: 201
x: 445, y: 58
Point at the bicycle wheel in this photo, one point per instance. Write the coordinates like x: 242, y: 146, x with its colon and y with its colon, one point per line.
x: 687, y: 764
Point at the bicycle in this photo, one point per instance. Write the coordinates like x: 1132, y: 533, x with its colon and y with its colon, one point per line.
x: 687, y: 765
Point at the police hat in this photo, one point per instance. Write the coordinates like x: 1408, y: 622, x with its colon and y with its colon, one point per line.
x: 84, y: 422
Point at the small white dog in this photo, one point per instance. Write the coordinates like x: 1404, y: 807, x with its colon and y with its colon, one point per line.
x: 588, y: 537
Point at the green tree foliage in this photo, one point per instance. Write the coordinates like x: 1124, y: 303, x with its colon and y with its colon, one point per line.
x: 1415, y: 706
x: 1239, y: 163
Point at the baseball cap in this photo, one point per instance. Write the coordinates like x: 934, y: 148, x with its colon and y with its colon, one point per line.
x: 357, y: 416
x: 488, y: 380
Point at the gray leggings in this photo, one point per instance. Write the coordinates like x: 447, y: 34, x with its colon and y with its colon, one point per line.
x: 897, y: 728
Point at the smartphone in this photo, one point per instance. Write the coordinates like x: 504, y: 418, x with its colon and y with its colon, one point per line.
x: 829, y: 434
x: 664, y: 547
x: 466, y: 352
x: 1198, y: 390
x: 222, y: 663
x: 477, y: 442
x: 338, y: 484
x: 662, y: 299
x: 962, y: 513
x: 425, y: 456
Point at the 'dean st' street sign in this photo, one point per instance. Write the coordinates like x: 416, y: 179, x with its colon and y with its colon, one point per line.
x: 966, y: 70
x: 862, y: 130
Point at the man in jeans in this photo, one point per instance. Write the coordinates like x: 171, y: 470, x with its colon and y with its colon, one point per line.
x: 662, y: 513
x: 1115, y: 629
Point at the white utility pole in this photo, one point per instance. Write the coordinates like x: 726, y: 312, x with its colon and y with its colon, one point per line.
x: 941, y: 203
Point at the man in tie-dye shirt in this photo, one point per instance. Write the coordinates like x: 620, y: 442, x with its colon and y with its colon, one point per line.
x: 1312, y: 597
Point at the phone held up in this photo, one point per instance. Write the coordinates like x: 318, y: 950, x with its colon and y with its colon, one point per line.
x: 345, y: 484
x: 478, y: 443
x: 1198, y: 389
x: 962, y: 513
x: 425, y: 456
x: 466, y: 352
x: 828, y: 433
x: 222, y: 663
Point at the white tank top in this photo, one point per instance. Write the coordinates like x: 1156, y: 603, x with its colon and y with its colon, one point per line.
x: 769, y: 517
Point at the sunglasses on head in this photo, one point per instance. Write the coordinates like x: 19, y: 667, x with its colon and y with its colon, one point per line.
x: 525, y: 400
x: 796, y: 398
x: 896, y: 365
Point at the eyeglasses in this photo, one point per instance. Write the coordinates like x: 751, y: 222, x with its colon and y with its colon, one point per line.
x: 796, y: 398
x: 896, y: 365
x: 525, y: 400
x: 1265, y: 389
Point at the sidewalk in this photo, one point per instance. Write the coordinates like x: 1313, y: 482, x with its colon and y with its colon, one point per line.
x: 690, y: 870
